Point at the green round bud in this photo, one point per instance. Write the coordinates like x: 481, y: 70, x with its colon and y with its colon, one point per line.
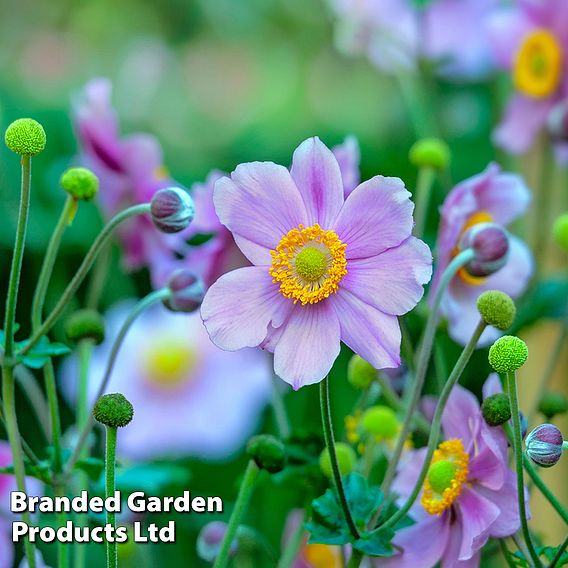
x: 360, y: 373
x: 441, y: 474
x: 346, y: 459
x: 508, y: 354
x: 552, y: 404
x: 430, y: 152
x: 81, y: 183
x: 381, y: 421
x: 496, y: 409
x: 268, y: 452
x: 497, y: 309
x: 113, y: 410
x: 85, y: 324
x: 25, y: 136
x: 560, y: 231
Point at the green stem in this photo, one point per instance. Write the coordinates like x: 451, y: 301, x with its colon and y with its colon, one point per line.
x: 110, y: 464
x: 243, y: 498
x: 61, y: 519
x: 98, y: 278
x: 506, y: 553
x: 88, y: 261
x: 293, y: 545
x: 518, y: 452
x: 330, y: 445
x: 437, y: 423
x: 559, y: 553
x: 143, y: 304
x: 422, y: 366
x: 49, y: 262
x: 53, y: 403
x: 355, y: 559
x: 424, y: 184
x: 8, y: 382
x: 537, y: 480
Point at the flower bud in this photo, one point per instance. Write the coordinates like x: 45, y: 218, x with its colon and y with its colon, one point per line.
x: 560, y: 231
x: 172, y: 210
x: 346, y: 459
x: 496, y: 409
x: 430, y: 152
x: 552, y: 403
x: 80, y: 183
x: 557, y: 122
x: 381, y: 421
x: 544, y: 445
x: 268, y: 452
x: 85, y: 324
x: 113, y: 410
x: 360, y: 373
x: 25, y: 136
x: 497, y: 309
x: 187, y: 291
x: 490, y: 243
x: 508, y: 354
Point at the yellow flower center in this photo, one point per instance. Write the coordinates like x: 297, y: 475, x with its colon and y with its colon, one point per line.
x: 322, y: 556
x: 169, y: 362
x: 446, y: 476
x: 308, y: 263
x: 538, y: 64
x: 475, y: 219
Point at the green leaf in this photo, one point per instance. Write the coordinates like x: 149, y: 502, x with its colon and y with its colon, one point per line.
x: 328, y: 525
x: 93, y: 467
x: 376, y: 544
x: 39, y: 355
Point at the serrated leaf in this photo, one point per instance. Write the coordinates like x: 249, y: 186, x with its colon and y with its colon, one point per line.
x: 376, y: 544
x: 362, y: 499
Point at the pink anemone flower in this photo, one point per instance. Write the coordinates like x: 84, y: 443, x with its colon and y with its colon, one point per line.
x: 325, y: 268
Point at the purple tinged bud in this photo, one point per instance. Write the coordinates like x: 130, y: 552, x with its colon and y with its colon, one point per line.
x: 210, y: 539
x: 490, y: 242
x: 187, y: 291
x: 544, y: 445
x: 172, y: 210
x: 558, y: 122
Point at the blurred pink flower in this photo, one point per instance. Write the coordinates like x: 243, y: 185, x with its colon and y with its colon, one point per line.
x: 396, y: 33
x: 530, y: 39
x: 189, y: 397
x: 489, y: 196
x: 453, y: 524
x: 325, y: 268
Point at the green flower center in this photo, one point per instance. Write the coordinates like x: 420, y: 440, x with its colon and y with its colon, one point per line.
x: 311, y: 264
x: 441, y: 474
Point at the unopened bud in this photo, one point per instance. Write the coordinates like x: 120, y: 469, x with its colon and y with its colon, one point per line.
x: 113, y: 410
x: 85, y: 324
x: 430, y: 153
x: 81, y: 183
x: 25, y: 136
x: 508, y: 354
x: 209, y: 541
x: 381, y: 421
x: 497, y: 309
x: 560, y: 231
x: 346, y: 459
x: 496, y: 409
x: 360, y: 373
x: 490, y: 243
x: 552, y: 404
x: 172, y: 210
x: 187, y: 291
x: 268, y: 452
x: 544, y: 445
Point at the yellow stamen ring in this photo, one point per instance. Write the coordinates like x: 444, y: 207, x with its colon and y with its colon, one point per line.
x: 451, y: 451
x: 308, y: 263
x: 538, y: 64
x: 479, y: 217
